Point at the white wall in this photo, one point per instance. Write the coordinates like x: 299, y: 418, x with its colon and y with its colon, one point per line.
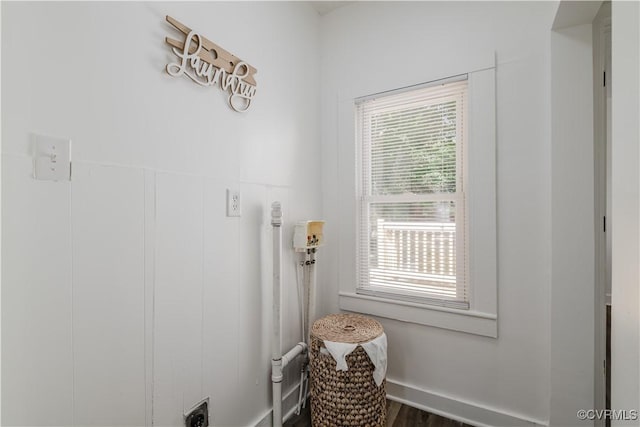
x: 127, y: 294
x: 0, y: 226
x: 625, y: 321
x: 572, y: 216
x: 378, y: 46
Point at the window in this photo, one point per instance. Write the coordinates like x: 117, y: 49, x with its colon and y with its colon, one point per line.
x: 412, y: 228
x: 417, y: 230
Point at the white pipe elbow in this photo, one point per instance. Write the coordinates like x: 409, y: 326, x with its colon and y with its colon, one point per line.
x: 293, y: 353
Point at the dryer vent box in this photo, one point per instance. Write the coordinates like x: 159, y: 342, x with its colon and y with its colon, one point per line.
x: 308, y: 235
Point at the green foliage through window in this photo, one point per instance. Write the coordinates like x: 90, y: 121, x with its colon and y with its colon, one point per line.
x: 414, y: 150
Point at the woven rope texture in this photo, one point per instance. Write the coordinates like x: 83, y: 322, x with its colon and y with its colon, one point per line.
x: 345, y: 398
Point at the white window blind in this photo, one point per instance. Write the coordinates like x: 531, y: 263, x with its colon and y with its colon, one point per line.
x: 411, y: 194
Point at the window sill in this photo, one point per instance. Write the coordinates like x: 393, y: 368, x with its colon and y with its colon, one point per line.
x: 469, y: 321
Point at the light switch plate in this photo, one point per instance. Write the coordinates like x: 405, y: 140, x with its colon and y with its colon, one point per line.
x: 51, y: 158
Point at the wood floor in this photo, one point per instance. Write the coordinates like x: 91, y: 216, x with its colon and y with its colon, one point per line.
x: 398, y: 415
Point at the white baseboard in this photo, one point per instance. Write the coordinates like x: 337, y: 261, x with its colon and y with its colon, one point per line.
x: 467, y: 412
x: 455, y: 409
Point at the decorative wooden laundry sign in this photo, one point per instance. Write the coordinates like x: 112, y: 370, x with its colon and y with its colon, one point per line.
x: 208, y: 64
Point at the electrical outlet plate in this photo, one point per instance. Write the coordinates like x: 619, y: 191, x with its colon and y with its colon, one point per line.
x: 234, y: 207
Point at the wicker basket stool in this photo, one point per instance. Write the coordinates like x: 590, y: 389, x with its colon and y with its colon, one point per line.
x: 345, y: 398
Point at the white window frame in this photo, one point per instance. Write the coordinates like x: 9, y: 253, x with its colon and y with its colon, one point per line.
x: 481, y: 317
x: 364, y: 199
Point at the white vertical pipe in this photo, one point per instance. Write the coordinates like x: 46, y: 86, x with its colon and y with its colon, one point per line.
x: 276, y: 345
x: 307, y: 296
x: 301, y: 297
x: 312, y: 291
x: 302, y: 292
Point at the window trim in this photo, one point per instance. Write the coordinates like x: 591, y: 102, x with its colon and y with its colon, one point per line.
x: 470, y: 321
x: 482, y: 317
